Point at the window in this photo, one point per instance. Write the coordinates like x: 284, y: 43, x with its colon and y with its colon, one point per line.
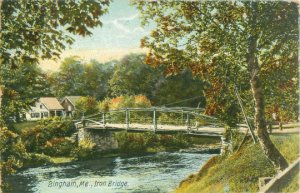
x: 46, y: 114
x: 59, y: 113
x: 35, y: 115
x: 69, y: 108
x: 41, y: 106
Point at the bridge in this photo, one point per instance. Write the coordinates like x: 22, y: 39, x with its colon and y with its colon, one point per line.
x: 162, y: 120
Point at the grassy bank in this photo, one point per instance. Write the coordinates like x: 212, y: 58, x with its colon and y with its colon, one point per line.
x: 239, y: 172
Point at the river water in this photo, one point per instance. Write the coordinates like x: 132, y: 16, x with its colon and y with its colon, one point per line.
x: 160, y: 172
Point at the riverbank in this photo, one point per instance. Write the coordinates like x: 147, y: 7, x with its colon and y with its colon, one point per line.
x: 211, y: 148
x: 48, y: 144
x: 240, y: 171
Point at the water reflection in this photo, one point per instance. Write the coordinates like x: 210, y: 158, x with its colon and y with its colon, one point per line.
x: 160, y: 172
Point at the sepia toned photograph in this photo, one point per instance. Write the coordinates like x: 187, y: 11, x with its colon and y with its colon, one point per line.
x: 149, y: 96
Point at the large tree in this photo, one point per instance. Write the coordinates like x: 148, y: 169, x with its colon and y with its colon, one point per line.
x: 228, y: 43
x: 81, y: 79
x: 39, y: 29
x: 133, y: 77
x: 23, y: 86
x: 180, y: 90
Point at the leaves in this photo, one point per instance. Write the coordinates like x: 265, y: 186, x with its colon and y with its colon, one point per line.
x: 212, y: 39
x: 38, y: 29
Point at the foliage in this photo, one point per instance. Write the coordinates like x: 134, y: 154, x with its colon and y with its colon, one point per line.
x: 59, y: 146
x: 174, y: 141
x: 34, y: 159
x: 41, y: 29
x: 85, y: 150
x: 68, y: 80
x: 125, y: 101
x: 212, y: 39
x: 131, y: 143
x: 129, y: 76
x: 86, y: 106
x: 175, y: 90
x: 21, y: 88
x: 81, y: 79
x: 229, y: 43
x: 12, y: 151
x: 36, y: 138
x: 132, y: 77
x: 239, y: 172
x: 171, y: 118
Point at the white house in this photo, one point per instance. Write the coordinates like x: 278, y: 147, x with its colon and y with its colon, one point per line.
x: 44, y: 108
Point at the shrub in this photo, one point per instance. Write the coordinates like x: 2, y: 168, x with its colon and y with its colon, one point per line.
x: 131, y: 142
x: 12, y: 151
x: 85, y: 150
x: 125, y: 101
x: 58, y: 147
x: 174, y: 141
x: 36, y: 138
x: 34, y: 159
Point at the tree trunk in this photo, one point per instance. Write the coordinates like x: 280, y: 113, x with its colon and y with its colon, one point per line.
x: 268, y: 147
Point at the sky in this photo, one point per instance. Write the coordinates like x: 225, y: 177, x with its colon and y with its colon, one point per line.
x: 120, y: 35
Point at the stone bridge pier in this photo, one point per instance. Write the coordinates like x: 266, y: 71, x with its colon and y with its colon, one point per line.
x: 103, y: 139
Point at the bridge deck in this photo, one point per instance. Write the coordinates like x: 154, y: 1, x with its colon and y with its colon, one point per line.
x: 203, y: 131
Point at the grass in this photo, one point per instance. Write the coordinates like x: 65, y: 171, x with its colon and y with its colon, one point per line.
x: 293, y: 185
x: 239, y: 172
x: 27, y: 124
x: 59, y: 160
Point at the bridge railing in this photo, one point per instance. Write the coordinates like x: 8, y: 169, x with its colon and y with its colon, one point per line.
x: 190, y: 118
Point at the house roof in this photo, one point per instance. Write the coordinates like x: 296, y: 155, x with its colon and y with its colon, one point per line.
x: 72, y: 99
x: 51, y: 103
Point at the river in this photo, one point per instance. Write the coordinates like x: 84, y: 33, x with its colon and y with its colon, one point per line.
x: 160, y: 172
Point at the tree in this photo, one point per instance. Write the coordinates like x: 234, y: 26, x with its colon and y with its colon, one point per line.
x: 86, y: 106
x: 133, y: 77
x: 23, y: 86
x: 31, y: 30
x: 246, y: 37
x: 180, y: 90
x: 96, y: 77
x: 69, y: 79
x: 84, y: 79
x: 41, y: 29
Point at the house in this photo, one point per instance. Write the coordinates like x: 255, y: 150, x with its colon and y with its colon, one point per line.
x: 45, y: 107
x: 69, y: 104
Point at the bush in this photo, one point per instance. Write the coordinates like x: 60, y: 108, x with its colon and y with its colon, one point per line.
x: 58, y: 147
x: 139, y: 142
x: 175, y: 141
x: 85, y: 150
x: 12, y: 151
x: 34, y: 159
x: 131, y: 142
x: 121, y: 102
x: 36, y: 138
